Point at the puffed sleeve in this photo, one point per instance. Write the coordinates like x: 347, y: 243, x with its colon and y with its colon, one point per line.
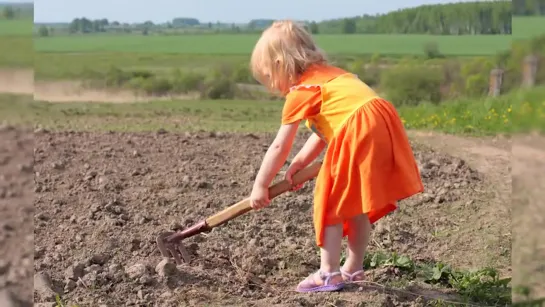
x: 301, y: 103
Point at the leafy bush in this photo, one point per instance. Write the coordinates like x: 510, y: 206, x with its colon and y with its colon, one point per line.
x: 477, y: 73
x: 242, y: 74
x: 411, y: 84
x: 220, y: 88
x: 157, y: 86
x: 184, y: 82
x: 431, y: 51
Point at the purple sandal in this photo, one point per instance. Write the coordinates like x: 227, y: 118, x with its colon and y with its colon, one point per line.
x: 308, y: 284
x: 349, y: 278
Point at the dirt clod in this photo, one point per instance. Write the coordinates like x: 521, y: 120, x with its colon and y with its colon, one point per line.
x: 43, y: 286
x: 166, y: 268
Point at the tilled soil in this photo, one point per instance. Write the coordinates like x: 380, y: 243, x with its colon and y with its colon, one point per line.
x: 101, y: 198
x: 16, y: 216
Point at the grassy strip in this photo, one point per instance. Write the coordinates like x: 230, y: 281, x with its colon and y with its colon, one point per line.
x: 482, y: 286
x: 16, y: 51
x: 243, y: 43
x: 214, y: 115
x: 518, y: 112
x: 521, y: 111
x: 16, y: 27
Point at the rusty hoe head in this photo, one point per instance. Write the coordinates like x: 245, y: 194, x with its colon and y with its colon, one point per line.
x: 170, y: 243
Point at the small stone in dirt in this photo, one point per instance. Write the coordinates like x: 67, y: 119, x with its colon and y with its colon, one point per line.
x: 114, y: 268
x: 175, y: 226
x: 93, y: 268
x: 145, y: 280
x: 75, y: 271
x: 69, y: 286
x: 41, y: 216
x: 57, y: 165
x: 43, y: 286
x: 4, y: 266
x: 99, y: 258
x: 204, y: 185
x: 166, y: 268
x: 136, y: 271
x: 40, y: 130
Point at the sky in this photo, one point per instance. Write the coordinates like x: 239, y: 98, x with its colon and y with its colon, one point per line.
x: 213, y: 10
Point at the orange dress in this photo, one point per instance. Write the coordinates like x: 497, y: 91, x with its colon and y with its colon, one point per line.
x: 369, y: 164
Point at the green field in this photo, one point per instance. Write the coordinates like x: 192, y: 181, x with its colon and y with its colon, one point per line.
x: 528, y: 27
x: 49, y: 65
x: 229, y: 44
x: 16, y: 27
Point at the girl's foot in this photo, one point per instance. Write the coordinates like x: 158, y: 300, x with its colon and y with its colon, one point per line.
x: 354, y: 276
x: 321, y: 282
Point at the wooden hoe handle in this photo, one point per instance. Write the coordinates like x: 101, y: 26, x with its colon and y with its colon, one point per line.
x: 281, y: 187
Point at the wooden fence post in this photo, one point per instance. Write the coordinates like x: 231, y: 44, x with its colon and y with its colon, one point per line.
x: 496, y: 78
x: 529, y: 71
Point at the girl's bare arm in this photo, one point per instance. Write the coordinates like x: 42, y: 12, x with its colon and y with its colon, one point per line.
x: 276, y: 155
x: 310, y: 151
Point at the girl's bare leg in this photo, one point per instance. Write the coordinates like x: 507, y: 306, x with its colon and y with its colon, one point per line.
x: 358, y: 239
x: 330, y: 255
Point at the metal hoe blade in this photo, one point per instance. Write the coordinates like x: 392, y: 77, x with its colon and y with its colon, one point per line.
x: 172, y: 250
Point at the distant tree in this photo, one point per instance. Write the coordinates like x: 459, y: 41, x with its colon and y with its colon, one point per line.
x: 314, y: 28
x: 43, y: 31
x: 184, y: 22
x: 349, y: 26
x: 9, y: 12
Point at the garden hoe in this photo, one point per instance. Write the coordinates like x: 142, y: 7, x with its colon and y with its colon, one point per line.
x: 170, y: 243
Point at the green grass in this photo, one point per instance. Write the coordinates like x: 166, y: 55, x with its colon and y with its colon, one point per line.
x: 481, y: 286
x: 520, y: 111
x: 54, y: 66
x: 83, y: 65
x: 16, y: 27
x: 217, y: 115
x: 16, y: 51
x: 242, y: 44
x: 528, y: 27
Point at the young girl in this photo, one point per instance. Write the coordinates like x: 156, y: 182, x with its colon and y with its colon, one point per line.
x: 368, y: 166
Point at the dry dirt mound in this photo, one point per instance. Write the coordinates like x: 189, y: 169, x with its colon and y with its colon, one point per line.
x: 102, y: 199
x: 16, y: 211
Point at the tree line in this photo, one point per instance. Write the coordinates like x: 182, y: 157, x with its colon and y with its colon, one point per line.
x: 491, y: 17
x: 466, y: 18
x: 16, y: 10
x: 529, y: 7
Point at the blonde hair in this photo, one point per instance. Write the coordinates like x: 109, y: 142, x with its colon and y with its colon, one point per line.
x: 282, y: 53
